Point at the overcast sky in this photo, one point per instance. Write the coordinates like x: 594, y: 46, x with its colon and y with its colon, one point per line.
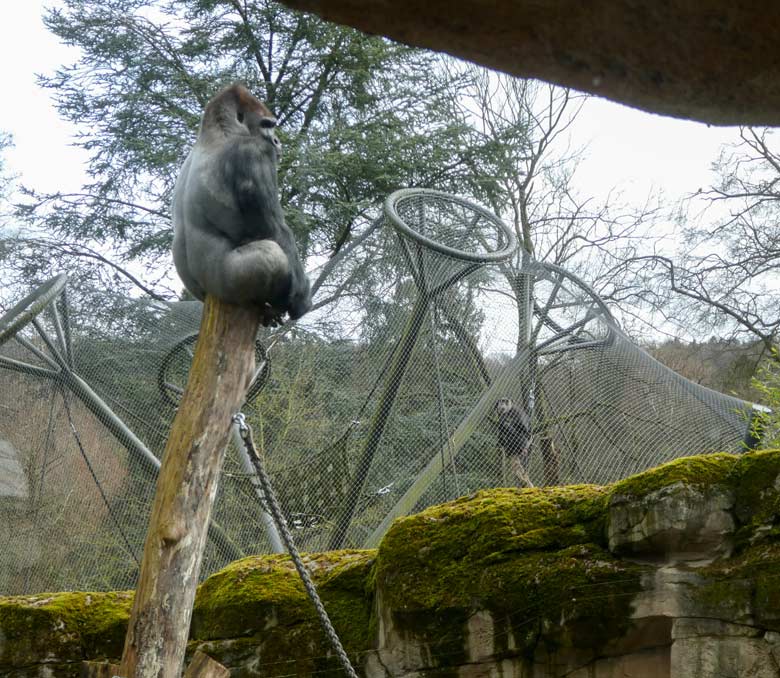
x: 42, y: 154
x: 635, y: 151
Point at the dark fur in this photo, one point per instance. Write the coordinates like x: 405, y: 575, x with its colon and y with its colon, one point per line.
x: 514, y: 429
x: 230, y: 238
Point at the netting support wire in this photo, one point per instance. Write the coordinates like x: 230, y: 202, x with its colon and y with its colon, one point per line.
x: 544, y: 312
x: 25, y: 368
x: 455, y: 443
x: 64, y: 319
x: 245, y: 432
x: 119, y: 429
x: 95, y: 478
x: 512, y: 371
x: 37, y: 497
x: 379, y: 420
x: 32, y: 348
x: 344, y: 253
x: 246, y: 463
x: 63, y: 339
x: 64, y: 375
x: 444, y: 425
x: 385, y: 405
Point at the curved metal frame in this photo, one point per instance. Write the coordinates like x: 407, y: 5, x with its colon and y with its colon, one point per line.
x: 404, y: 348
x: 554, y: 273
x: 413, y: 193
x: 563, y: 273
x: 510, y: 373
x: 60, y: 369
x: 29, y: 307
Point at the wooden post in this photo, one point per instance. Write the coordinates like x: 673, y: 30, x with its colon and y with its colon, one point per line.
x: 203, y: 666
x: 160, y: 619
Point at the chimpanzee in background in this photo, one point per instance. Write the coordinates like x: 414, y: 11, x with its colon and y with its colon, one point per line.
x: 514, y: 436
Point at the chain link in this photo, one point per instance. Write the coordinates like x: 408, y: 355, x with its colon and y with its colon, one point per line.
x: 281, y: 523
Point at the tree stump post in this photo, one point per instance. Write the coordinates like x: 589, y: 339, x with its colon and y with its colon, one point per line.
x: 160, y: 619
x: 203, y: 666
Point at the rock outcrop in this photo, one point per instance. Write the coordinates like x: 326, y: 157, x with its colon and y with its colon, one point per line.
x: 671, y: 573
x: 713, y: 61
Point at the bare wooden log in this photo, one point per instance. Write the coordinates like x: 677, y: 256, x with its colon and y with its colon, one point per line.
x: 160, y: 619
x: 203, y: 666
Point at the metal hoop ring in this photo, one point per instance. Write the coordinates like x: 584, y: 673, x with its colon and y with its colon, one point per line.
x: 398, y: 223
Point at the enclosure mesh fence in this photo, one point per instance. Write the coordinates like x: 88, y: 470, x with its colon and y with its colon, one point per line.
x: 377, y: 404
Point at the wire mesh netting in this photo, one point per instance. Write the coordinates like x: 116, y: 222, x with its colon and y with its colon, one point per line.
x: 379, y: 403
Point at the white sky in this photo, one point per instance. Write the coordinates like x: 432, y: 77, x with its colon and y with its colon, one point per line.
x: 42, y: 154
x: 641, y: 151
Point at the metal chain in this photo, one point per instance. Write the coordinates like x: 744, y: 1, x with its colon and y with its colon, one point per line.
x: 281, y: 523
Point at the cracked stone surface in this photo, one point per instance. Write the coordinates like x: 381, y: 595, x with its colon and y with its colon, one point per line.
x: 678, y: 522
x: 711, y: 647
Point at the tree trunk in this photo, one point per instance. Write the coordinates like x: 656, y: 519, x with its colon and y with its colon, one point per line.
x: 160, y: 619
x: 550, y: 461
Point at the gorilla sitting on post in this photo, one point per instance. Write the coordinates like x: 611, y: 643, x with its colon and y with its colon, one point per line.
x: 230, y: 239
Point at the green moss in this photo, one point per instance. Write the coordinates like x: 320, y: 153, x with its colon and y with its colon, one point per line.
x: 262, y: 597
x: 452, y: 541
x: 502, y: 520
x: 750, y: 581
x: 535, y: 559
x: 63, y: 626
x: 708, y: 469
x: 530, y: 557
x: 758, y: 497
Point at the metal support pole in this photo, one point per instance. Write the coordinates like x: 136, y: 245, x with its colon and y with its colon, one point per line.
x: 525, y: 301
x: 454, y: 445
x: 246, y: 463
x: 140, y: 452
x: 392, y: 384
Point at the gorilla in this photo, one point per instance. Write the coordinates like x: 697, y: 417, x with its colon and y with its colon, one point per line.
x: 230, y: 239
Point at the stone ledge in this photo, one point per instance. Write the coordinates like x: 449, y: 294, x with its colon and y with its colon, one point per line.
x: 642, y: 577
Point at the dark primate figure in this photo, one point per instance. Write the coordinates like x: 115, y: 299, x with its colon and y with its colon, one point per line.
x: 230, y: 239
x: 514, y: 436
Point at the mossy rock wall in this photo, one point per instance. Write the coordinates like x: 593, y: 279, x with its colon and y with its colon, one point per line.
x: 673, y: 572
